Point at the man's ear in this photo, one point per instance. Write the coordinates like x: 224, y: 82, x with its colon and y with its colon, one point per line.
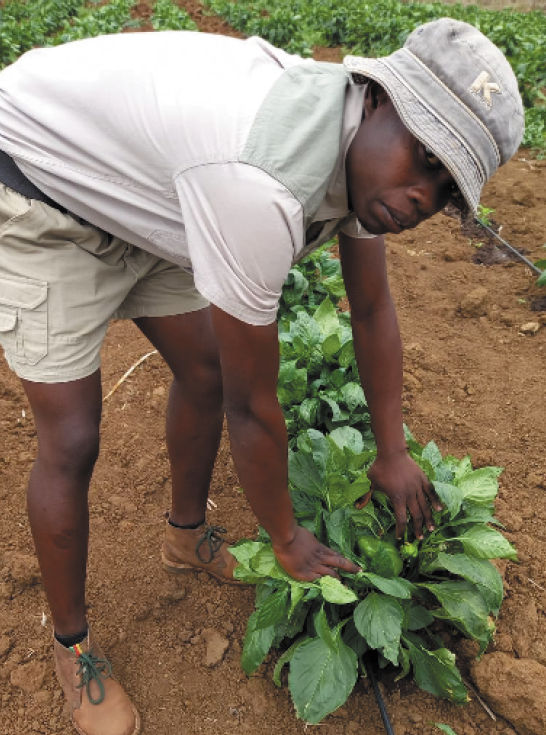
x: 374, y: 97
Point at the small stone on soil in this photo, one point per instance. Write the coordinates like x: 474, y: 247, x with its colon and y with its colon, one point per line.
x: 474, y: 304
x: 215, y: 646
x: 529, y: 328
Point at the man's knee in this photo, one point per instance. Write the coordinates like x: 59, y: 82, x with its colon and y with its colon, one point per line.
x: 71, y: 448
x: 67, y: 418
x: 201, y: 381
x: 207, y: 376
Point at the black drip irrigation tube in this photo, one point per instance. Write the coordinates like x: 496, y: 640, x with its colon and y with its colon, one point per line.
x: 370, y: 670
x: 510, y: 247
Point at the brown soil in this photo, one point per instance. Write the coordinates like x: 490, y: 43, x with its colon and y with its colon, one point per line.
x: 473, y: 384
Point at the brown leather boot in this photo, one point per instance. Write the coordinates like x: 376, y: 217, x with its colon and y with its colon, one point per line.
x: 97, y: 703
x: 198, y: 549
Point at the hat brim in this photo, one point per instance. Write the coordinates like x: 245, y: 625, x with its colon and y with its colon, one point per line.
x: 426, y: 125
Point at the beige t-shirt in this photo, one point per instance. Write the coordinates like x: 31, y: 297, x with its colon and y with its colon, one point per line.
x: 140, y: 134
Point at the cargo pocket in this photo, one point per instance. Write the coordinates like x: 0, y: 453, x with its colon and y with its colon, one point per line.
x: 23, y: 319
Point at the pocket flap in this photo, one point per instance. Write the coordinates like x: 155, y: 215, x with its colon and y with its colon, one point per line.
x: 7, y: 321
x: 22, y: 292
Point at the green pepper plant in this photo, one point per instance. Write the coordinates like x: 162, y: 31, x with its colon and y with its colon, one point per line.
x: 392, y: 606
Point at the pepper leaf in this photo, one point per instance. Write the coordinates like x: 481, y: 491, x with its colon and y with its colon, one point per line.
x: 305, y: 474
x: 273, y: 610
x: 435, y: 671
x: 464, y: 606
x: 450, y: 495
x: 285, y: 659
x: 480, y: 486
x: 484, y: 542
x: 379, y: 620
x: 321, y: 677
x: 256, y: 645
x: 336, y: 592
x: 396, y: 587
x: 479, y: 571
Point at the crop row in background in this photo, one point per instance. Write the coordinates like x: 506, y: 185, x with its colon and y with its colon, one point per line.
x: 369, y: 29
x: 24, y: 25
x: 378, y: 28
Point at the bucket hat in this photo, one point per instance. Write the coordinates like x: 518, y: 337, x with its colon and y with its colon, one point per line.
x: 456, y: 92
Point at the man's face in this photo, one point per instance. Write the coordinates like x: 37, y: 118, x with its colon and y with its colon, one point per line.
x: 394, y: 181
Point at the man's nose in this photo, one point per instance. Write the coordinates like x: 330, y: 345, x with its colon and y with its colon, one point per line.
x: 429, y: 194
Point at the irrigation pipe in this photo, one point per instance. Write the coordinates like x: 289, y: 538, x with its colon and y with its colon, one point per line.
x: 507, y: 245
x: 368, y: 663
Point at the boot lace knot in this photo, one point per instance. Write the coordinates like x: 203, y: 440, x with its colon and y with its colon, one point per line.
x: 93, y: 669
x: 213, y: 540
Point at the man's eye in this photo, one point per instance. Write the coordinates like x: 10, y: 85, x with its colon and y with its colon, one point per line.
x: 432, y: 158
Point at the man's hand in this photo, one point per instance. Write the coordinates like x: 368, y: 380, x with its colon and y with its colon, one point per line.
x: 408, y: 488
x: 306, y: 559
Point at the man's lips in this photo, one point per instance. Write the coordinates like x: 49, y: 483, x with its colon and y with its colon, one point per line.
x: 395, y: 221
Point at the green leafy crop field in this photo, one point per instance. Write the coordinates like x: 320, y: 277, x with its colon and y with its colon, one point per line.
x: 363, y: 28
x: 406, y: 588
x: 380, y: 27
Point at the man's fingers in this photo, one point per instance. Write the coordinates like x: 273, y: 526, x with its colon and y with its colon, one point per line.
x: 401, y: 518
x: 333, y: 559
x: 426, y: 511
x: 433, y: 497
x: 347, y: 565
x: 417, y: 516
x: 364, y: 500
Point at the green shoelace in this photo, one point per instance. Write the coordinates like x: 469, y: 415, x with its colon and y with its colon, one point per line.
x: 92, y: 668
x: 213, y: 540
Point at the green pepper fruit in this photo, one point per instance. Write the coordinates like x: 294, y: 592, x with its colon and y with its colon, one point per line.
x: 384, y: 557
x: 410, y: 551
x: 368, y: 545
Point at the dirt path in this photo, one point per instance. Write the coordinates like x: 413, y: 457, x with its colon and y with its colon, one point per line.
x: 473, y: 384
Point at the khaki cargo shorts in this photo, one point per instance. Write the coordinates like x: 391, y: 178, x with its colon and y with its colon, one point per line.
x: 62, y: 280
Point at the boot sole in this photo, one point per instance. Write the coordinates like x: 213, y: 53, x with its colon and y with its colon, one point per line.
x: 173, y: 567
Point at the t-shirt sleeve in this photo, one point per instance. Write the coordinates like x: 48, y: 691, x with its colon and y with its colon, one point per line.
x: 243, y: 230
x: 353, y: 228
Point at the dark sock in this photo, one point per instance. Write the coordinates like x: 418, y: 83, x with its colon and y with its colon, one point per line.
x: 72, y: 640
x: 189, y: 526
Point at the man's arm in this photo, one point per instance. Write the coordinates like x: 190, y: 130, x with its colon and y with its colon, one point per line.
x: 378, y: 351
x: 249, y: 357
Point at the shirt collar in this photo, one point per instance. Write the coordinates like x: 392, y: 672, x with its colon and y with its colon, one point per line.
x: 336, y: 202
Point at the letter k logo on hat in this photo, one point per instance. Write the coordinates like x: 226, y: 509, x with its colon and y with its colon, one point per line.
x: 481, y: 84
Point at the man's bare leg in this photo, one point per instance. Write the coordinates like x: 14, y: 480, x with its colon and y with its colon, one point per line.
x: 194, y: 413
x: 67, y: 418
